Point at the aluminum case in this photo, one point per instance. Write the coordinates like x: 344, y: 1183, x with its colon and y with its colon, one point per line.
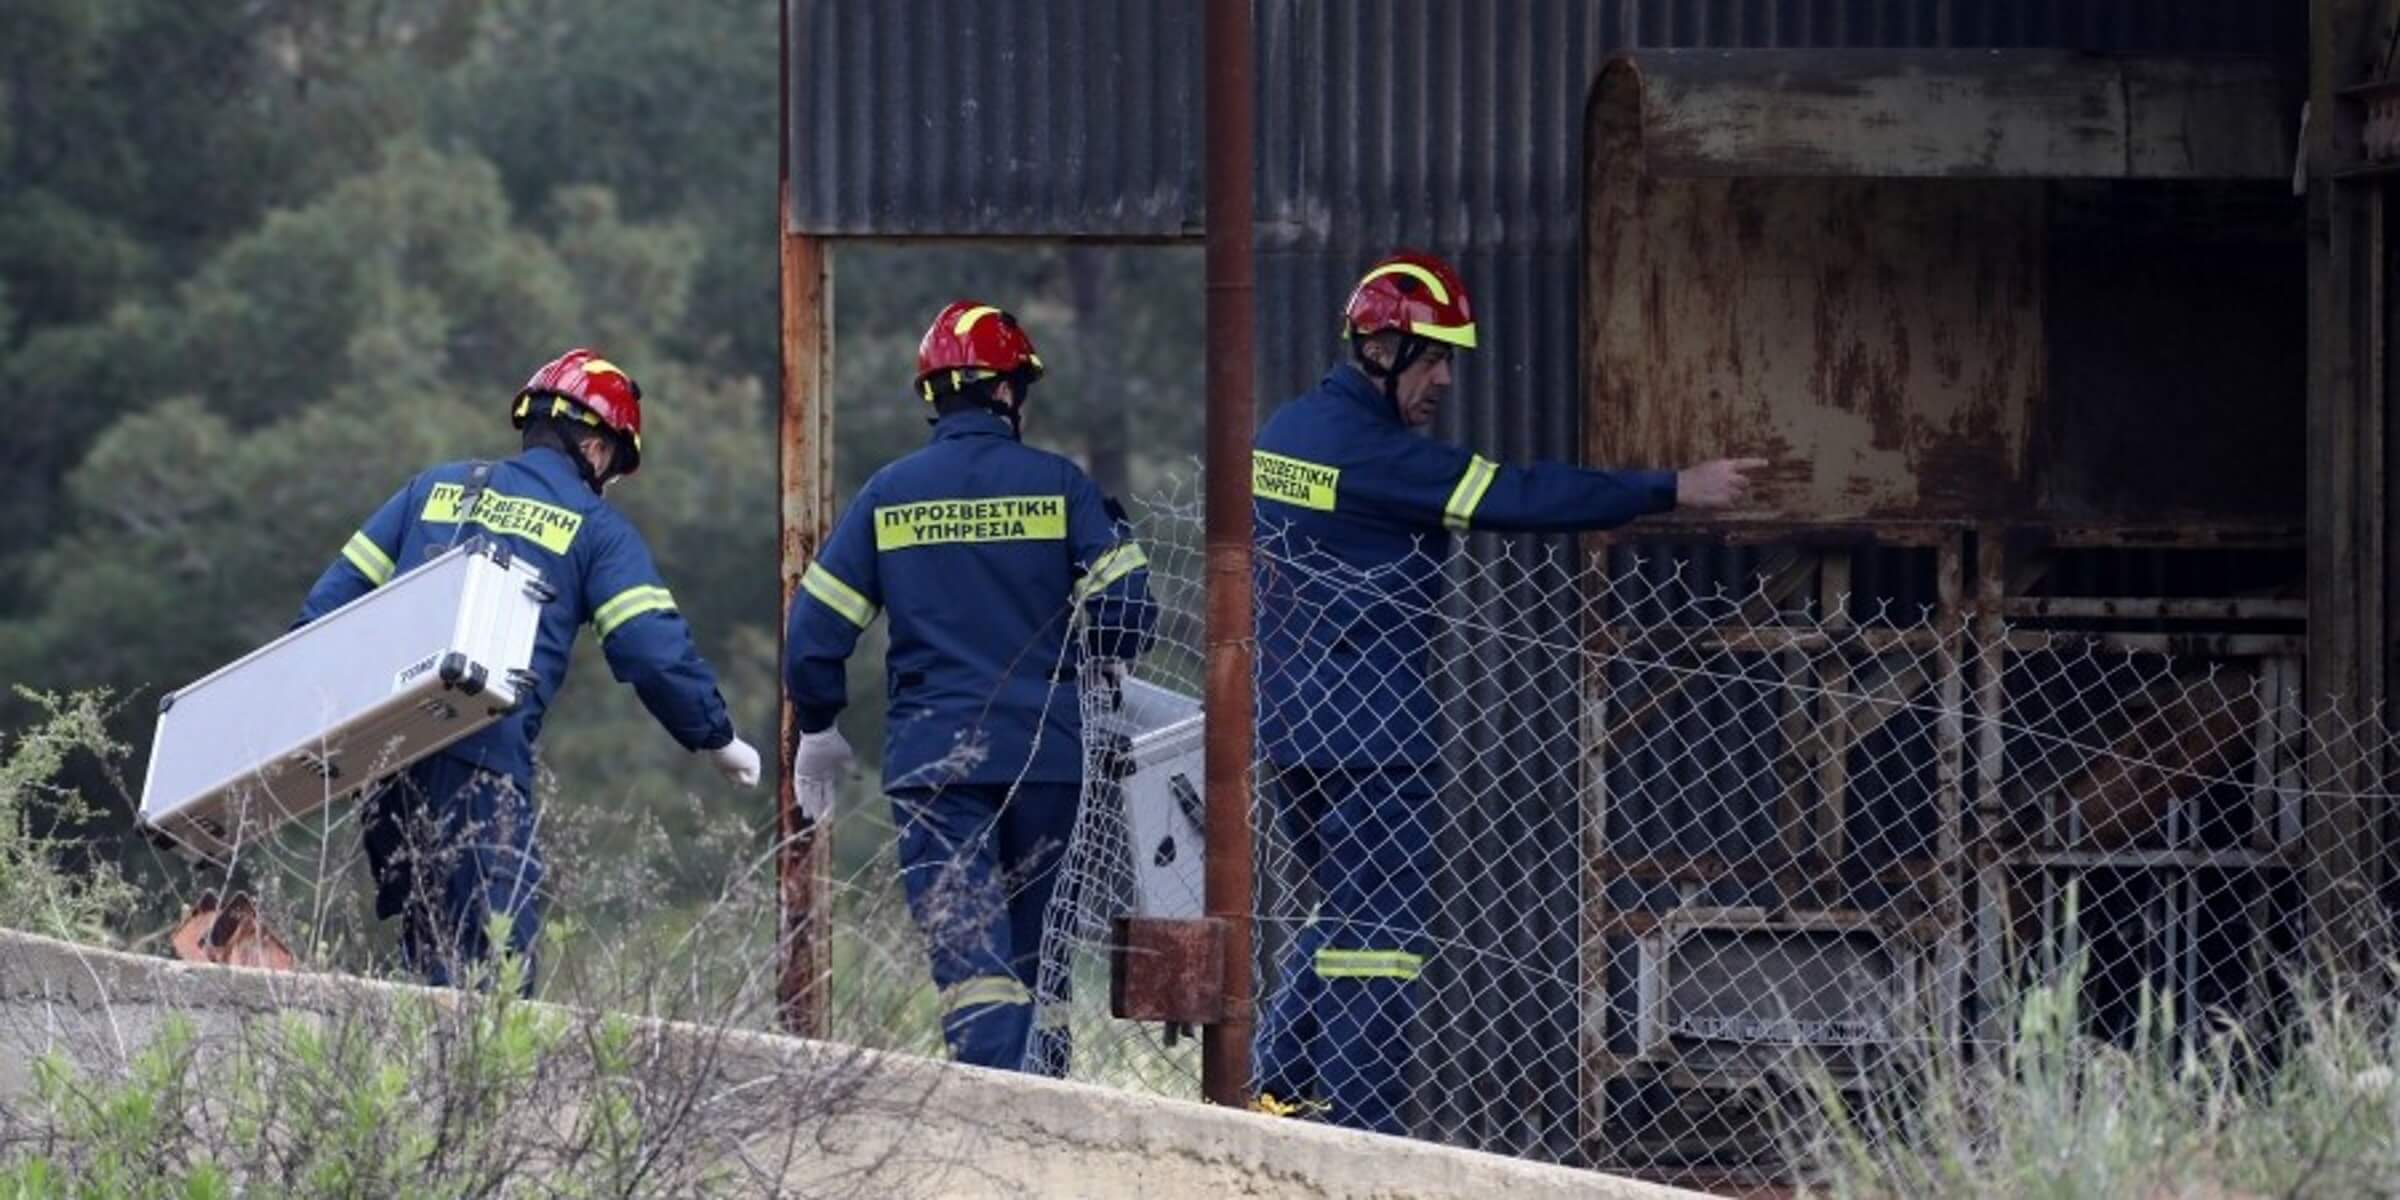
x: 437, y: 654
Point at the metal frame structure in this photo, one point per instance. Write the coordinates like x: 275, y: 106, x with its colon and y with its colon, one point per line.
x: 1222, y: 942
x: 1989, y: 888
x: 1986, y: 885
x: 2008, y: 118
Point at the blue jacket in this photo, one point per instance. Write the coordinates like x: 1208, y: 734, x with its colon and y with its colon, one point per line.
x: 588, y: 552
x: 1354, y: 517
x: 981, y: 549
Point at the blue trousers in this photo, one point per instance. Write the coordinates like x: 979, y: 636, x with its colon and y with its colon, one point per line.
x: 1344, y: 1005
x: 979, y: 863
x: 451, y: 847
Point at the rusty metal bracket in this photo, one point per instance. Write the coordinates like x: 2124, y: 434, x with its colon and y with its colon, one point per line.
x: 1167, y: 970
x: 229, y: 933
x: 1981, y: 114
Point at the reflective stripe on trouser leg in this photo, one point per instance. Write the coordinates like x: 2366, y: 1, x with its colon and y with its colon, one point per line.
x: 1035, y: 824
x: 986, y: 1020
x: 1050, y: 1051
x: 951, y: 866
x: 1377, y: 837
x: 1368, y: 964
x: 1282, y: 1063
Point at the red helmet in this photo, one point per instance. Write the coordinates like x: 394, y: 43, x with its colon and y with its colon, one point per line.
x: 581, y: 385
x: 1415, y: 294
x: 972, y: 341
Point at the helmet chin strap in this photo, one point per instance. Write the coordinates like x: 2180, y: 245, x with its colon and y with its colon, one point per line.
x: 1012, y: 409
x: 556, y: 436
x: 1412, y: 348
x: 593, y: 478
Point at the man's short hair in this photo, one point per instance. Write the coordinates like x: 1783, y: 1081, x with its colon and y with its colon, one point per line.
x: 568, y: 436
x: 1389, y: 339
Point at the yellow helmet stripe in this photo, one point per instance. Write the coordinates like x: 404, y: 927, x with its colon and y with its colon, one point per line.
x: 601, y: 366
x: 1433, y: 284
x: 1461, y: 336
x: 966, y: 320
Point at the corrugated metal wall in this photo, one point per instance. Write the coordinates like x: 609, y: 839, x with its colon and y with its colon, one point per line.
x: 1453, y: 126
x: 1024, y: 118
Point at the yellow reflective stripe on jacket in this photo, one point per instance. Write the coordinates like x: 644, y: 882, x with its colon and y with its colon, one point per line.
x: 1109, y: 568
x: 836, y: 595
x: 1293, y: 480
x: 982, y: 519
x: 545, y: 525
x: 1471, y: 486
x: 984, y: 989
x: 369, y: 558
x: 628, y: 604
x: 1368, y: 964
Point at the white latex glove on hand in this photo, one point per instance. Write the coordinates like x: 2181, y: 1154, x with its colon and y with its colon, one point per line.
x: 1724, y: 483
x: 737, y: 761
x: 819, y: 764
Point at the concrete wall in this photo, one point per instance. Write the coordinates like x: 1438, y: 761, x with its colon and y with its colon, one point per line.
x: 820, y: 1118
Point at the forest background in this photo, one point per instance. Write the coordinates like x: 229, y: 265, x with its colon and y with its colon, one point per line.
x: 262, y: 261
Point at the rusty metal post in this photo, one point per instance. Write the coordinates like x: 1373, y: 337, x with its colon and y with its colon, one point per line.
x: 1949, y: 773
x: 2343, y: 475
x: 1225, y: 1047
x: 804, y: 476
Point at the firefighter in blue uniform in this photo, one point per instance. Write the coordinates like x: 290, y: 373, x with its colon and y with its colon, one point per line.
x: 1354, y: 516
x: 452, y: 840
x: 982, y: 550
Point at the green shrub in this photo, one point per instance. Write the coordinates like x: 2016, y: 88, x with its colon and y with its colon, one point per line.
x: 2056, y: 1112
x: 425, y: 1095
x: 35, y: 893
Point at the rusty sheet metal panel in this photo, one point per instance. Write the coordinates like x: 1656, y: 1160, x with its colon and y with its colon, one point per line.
x: 1167, y: 970
x: 2215, y: 26
x: 1919, y: 113
x: 1018, y: 118
x: 1880, y: 341
x: 1912, y: 349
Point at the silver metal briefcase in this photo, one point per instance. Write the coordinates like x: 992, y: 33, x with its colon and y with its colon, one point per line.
x: 1165, y: 819
x: 373, y: 687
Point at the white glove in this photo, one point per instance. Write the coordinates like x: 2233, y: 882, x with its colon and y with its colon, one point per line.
x: 819, y: 764
x: 737, y: 761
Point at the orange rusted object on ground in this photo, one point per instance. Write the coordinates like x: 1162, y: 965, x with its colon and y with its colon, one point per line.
x: 229, y: 933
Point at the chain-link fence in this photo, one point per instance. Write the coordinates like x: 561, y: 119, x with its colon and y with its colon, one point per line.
x: 1591, y: 852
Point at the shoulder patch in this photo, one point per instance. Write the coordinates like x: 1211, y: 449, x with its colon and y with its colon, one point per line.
x: 1294, y: 481
x: 545, y: 525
